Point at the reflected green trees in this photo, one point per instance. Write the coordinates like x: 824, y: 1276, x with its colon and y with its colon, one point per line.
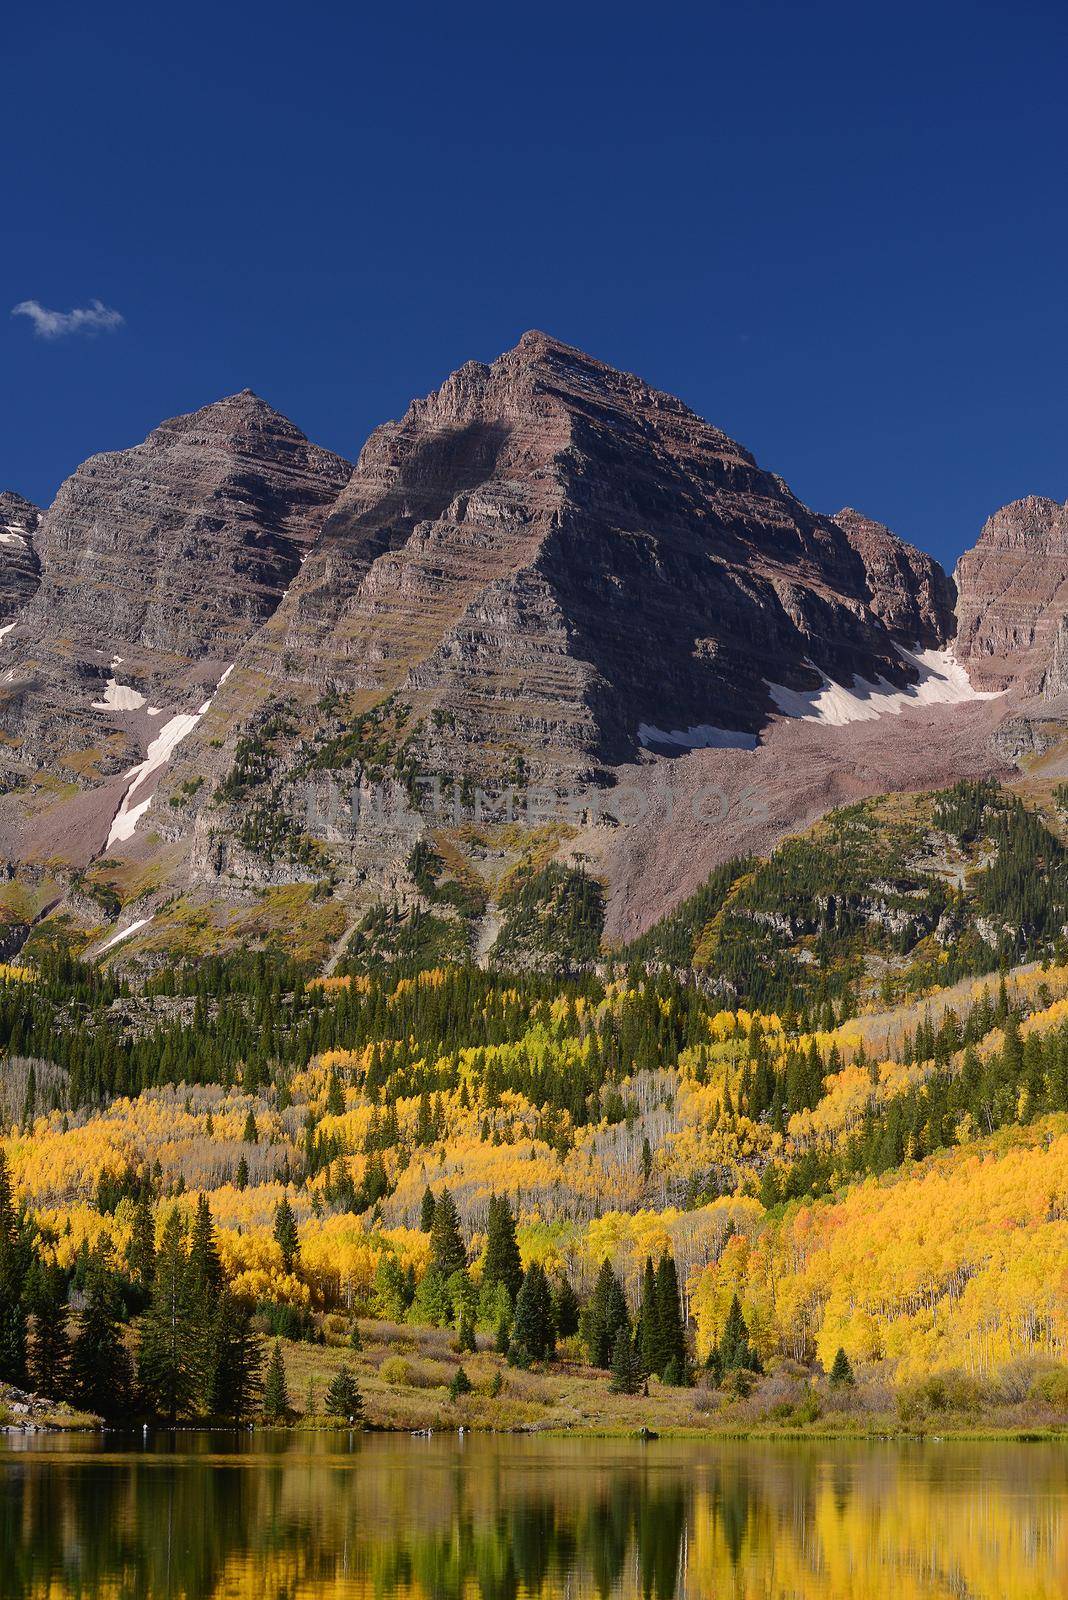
x: 201, y: 1517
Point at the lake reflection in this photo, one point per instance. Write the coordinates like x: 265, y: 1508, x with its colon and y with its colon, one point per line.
x: 498, y: 1518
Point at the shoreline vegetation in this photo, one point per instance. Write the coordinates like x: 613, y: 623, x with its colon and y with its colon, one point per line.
x: 405, y: 1376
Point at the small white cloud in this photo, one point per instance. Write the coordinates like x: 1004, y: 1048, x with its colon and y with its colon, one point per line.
x: 93, y: 318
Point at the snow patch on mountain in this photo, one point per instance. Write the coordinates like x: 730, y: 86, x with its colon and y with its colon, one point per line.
x: 119, y: 696
x: 157, y: 757
x: 117, y: 938
x: 941, y: 681
x: 702, y: 737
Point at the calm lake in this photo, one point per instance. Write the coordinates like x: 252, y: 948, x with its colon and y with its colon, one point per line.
x: 492, y: 1518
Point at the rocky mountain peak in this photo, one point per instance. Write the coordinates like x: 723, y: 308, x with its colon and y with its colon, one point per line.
x: 906, y: 588
x: 1013, y: 594
x: 185, y: 543
x: 157, y: 564
x: 548, y: 560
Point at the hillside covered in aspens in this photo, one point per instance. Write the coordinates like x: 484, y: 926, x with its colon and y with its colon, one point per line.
x: 796, y: 1157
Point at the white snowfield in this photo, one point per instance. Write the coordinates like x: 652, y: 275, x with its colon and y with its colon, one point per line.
x: 119, y: 697
x: 117, y: 938
x: 10, y: 534
x: 157, y: 757
x: 6, y: 628
x: 703, y: 737
x: 942, y: 681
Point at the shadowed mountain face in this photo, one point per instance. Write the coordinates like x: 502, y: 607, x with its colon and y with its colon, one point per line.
x: 19, y: 566
x: 548, y: 557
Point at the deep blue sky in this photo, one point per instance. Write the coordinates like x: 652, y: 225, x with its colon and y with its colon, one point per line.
x: 839, y: 231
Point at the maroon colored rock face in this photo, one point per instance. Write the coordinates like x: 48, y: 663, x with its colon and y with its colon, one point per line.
x: 907, y: 589
x: 182, y: 546
x: 1013, y: 596
x: 546, y: 573
x: 547, y: 559
x: 166, y: 557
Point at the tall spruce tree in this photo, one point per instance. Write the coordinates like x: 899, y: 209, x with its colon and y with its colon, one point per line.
x: 448, y: 1253
x: 671, y: 1335
x: 205, y: 1267
x: 100, y: 1366
x: 170, y: 1360
x: 426, y: 1209
x: 647, y: 1331
x: 565, y: 1309
x: 502, y: 1264
x: 285, y: 1234
x: 14, y: 1263
x: 533, y: 1331
x: 275, y: 1390
x: 235, y: 1378
x: 141, y: 1252
x: 628, y: 1375
x: 604, y: 1316
x: 49, y: 1362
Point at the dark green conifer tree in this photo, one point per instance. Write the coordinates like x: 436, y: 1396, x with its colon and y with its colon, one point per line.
x: 734, y: 1351
x: 842, y: 1371
x: 426, y: 1210
x: 628, y: 1375
x: 502, y: 1262
x: 285, y: 1234
x: 604, y: 1316
x: 100, y: 1366
x: 205, y: 1267
x: 343, y: 1398
x: 533, y: 1331
x: 275, y: 1390
x: 460, y: 1385
x: 671, y: 1334
x: 141, y: 1252
x: 170, y: 1354
x: 565, y: 1310
x: 647, y: 1328
x: 235, y: 1380
x: 49, y: 1362
x: 14, y: 1263
x: 447, y: 1251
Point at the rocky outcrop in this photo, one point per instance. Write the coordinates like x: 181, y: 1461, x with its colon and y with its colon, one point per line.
x: 19, y: 566
x: 1013, y: 595
x: 906, y: 588
x: 551, y: 564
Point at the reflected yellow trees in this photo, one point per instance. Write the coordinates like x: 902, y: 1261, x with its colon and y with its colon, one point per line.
x: 507, y: 1519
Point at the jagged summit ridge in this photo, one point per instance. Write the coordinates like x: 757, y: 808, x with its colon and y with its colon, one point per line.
x: 546, y: 555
